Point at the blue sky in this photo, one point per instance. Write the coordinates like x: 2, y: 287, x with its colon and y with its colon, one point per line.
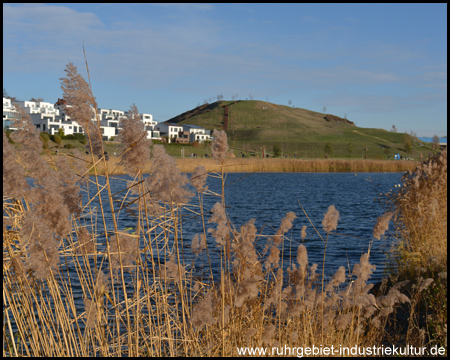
x: 380, y: 64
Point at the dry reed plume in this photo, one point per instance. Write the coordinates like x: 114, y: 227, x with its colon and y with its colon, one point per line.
x: 141, y: 293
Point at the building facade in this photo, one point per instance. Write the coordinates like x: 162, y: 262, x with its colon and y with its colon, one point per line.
x: 48, y: 117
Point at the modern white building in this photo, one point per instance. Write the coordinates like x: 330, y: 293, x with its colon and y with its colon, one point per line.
x: 150, y: 124
x: 50, y: 118
x: 170, y: 130
x: 182, y: 133
x: 8, y: 113
x: 197, y: 133
x: 39, y: 107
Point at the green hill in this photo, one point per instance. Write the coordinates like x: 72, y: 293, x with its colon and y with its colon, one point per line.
x: 253, y: 125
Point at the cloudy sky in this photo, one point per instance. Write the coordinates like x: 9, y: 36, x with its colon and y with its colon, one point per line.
x: 379, y: 64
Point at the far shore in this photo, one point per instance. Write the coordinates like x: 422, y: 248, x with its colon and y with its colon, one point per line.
x: 250, y: 165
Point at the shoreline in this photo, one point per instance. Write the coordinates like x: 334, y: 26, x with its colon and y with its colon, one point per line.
x: 188, y: 165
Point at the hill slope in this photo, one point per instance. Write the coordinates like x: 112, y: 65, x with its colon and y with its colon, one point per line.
x: 252, y: 125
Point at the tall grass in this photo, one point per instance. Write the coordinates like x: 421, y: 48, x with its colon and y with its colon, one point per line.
x: 420, y: 218
x: 74, y: 287
x: 188, y: 165
x: 299, y: 165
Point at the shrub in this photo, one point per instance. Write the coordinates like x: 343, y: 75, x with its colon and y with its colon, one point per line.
x: 8, y: 135
x: 68, y: 146
x: 407, y: 143
x: 76, y: 136
x: 349, y: 148
x: 57, y: 139
x: 328, y: 149
x: 276, y: 150
x: 44, y: 137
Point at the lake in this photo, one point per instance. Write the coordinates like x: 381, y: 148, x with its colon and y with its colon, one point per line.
x: 267, y: 197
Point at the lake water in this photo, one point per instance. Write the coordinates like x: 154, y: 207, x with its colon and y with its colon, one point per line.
x: 267, y: 197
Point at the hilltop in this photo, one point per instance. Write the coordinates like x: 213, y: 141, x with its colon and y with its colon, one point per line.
x: 252, y: 125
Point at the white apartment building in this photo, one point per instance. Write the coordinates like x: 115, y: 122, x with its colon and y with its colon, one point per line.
x: 189, y: 133
x: 170, y: 130
x: 150, y: 124
x: 197, y: 133
x: 50, y: 118
x: 8, y: 113
x: 38, y: 107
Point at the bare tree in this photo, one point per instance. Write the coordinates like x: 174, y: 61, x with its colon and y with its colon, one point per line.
x: 233, y: 97
x: 345, y: 116
x: 394, y: 129
x: 324, y: 109
x: 290, y: 102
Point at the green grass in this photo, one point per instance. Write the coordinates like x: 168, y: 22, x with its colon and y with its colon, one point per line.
x: 301, y: 132
x: 298, y: 132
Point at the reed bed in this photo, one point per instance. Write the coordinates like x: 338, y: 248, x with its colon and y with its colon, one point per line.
x: 188, y: 165
x: 154, y: 292
x: 299, y: 165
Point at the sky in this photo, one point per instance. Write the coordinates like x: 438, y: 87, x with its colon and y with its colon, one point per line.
x: 376, y: 64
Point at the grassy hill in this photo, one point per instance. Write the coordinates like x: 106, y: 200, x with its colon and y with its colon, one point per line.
x: 253, y: 125
x: 297, y: 132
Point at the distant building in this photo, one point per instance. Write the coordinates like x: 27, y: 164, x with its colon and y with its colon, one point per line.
x: 8, y: 113
x: 182, y: 133
x: 197, y: 133
x: 170, y: 130
x: 50, y: 118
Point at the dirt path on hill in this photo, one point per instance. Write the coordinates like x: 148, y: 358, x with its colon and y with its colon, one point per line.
x: 376, y: 137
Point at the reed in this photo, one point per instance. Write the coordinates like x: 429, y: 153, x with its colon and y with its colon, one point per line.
x: 188, y: 165
x: 299, y: 165
x: 150, y: 292
x: 419, y: 212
